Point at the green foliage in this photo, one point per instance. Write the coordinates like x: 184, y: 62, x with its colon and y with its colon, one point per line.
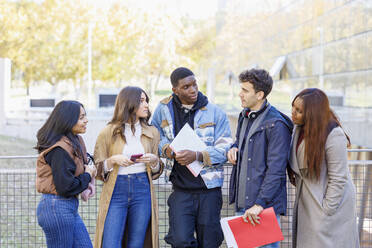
x: 48, y: 41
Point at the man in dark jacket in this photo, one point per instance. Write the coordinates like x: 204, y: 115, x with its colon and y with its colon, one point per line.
x: 260, y: 152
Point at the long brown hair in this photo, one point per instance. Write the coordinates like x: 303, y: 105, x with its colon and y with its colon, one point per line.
x: 318, y: 118
x: 126, y: 106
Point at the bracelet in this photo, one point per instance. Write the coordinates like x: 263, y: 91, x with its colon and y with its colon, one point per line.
x: 154, y: 165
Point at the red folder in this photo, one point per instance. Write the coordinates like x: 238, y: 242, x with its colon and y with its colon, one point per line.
x: 249, y: 236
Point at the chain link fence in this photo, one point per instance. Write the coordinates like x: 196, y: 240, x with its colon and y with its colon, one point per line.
x: 19, y: 200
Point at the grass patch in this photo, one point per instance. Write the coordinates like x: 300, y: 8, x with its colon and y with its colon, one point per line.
x: 15, y: 146
x: 10, y: 146
x: 163, y: 92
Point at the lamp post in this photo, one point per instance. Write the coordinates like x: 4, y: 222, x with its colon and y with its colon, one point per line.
x: 90, y: 28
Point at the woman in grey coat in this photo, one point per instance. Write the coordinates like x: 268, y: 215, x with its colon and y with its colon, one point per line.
x: 325, y: 206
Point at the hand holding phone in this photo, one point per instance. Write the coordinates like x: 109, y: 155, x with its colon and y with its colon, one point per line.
x: 134, y: 157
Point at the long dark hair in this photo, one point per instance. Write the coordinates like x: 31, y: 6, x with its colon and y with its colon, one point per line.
x: 318, y: 120
x: 60, y: 123
x: 126, y: 106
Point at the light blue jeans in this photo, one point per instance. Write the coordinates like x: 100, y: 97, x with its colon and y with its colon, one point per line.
x: 272, y: 245
x: 130, y: 207
x: 59, y: 218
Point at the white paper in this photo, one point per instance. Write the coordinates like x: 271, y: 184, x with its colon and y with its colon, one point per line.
x: 187, y: 139
x: 229, y: 237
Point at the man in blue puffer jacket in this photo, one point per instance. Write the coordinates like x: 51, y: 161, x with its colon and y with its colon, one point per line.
x: 195, y: 203
x: 260, y: 152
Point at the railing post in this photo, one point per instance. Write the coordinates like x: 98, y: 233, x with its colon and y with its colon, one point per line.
x: 365, y: 194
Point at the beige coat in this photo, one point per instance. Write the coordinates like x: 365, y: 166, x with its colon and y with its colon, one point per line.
x: 325, y: 211
x: 105, y: 147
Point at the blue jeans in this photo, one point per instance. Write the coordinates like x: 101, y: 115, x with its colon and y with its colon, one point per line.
x: 130, y: 207
x: 59, y: 218
x: 272, y: 245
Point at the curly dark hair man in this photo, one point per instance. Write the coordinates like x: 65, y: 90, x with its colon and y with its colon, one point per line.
x: 260, y: 152
x: 260, y: 79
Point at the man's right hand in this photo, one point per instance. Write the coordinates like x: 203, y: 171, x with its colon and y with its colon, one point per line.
x: 232, y: 155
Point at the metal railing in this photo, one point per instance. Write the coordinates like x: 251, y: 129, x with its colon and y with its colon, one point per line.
x: 19, y: 200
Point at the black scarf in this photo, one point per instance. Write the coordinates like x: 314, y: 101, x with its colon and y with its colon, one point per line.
x: 184, y: 115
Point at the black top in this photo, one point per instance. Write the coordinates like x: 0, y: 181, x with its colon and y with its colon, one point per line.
x: 63, y: 171
x: 181, y: 177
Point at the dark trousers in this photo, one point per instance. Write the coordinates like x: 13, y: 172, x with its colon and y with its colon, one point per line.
x: 195, y: 212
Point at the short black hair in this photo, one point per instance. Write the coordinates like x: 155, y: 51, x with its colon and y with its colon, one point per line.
x: 180, y: 73
x: 260, y: 79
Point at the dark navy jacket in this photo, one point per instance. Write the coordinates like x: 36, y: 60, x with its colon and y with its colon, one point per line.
x: 268, y: 151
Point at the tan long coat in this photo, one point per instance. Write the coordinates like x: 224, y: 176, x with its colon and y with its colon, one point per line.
x: 105, y: 147
x: 325, y: 211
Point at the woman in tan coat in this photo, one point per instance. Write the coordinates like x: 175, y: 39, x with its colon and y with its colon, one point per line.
x: 126, y: 158
x: 325, y: 206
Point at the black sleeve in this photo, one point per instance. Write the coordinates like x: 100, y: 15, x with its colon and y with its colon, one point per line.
x: 240, y: 121
x: 63, y: 170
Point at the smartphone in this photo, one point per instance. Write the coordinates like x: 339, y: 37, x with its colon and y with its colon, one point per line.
x: 135, y: 156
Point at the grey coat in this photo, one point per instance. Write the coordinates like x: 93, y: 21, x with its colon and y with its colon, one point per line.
x: 325, y: 211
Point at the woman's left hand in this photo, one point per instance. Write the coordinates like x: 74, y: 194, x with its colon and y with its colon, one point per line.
x: 291, y: 176
x: 148, y: 158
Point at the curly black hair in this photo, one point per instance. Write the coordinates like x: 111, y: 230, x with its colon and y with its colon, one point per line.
x: 260, y: 79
